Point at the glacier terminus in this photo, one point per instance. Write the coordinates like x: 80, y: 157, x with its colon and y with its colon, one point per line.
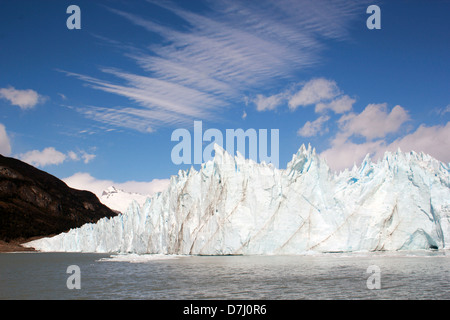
x: 233, y: 205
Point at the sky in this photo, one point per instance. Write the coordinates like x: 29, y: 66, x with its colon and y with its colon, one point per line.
x: 97, y: 106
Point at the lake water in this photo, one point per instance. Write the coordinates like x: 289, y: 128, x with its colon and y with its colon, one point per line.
x: 419, y: 275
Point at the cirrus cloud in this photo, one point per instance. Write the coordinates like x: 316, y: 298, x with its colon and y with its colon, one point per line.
x: 213, y: 58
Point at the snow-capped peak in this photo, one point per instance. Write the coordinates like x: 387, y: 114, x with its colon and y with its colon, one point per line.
x: 109, y: 191
x: 120, y: 200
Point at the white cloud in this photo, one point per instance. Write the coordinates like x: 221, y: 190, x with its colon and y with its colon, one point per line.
x: 73, y: 156
x: 84, y: 181
x: 313, y: 128
x: 48, y: 156
x: 434, y: 140
x: 324, y: 93
x: 314, y: 91
x: 344, y: 154
x: 269, y: 103
x: 327, y: 96
x: 25, y: 99
x: 5, y: 146
x: 51, y: 156
x: 374, y: 122
x: 373, y: 128
x: 339, y: 105
x: 87, y: 157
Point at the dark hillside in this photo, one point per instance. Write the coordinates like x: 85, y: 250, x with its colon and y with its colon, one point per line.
x: 34, y: 203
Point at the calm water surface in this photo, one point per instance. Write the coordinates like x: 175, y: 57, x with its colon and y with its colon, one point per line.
x: 423, y: 275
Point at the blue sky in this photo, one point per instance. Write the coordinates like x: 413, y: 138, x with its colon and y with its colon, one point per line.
x: 97, y: 106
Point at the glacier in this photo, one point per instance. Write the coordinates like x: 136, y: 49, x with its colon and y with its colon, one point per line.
x: 235, y: 206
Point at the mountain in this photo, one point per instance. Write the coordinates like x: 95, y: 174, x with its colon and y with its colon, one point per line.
x: 34, y: 203
x: 120, y: 200
x: 236, y: 206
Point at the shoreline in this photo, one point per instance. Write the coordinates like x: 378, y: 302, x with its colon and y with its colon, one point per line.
x: 15, y: 246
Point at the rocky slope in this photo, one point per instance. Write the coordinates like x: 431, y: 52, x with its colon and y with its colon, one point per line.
x: 34, y: 203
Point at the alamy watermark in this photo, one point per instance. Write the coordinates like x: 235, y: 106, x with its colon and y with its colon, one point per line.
x: 374, y: 280
x: 74, y: 20
x: 374, y: 20
x: 74, y: 280
x: 236, y: 140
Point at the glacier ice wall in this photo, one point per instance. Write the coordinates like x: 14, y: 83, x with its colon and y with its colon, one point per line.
x: 236, y: 206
